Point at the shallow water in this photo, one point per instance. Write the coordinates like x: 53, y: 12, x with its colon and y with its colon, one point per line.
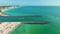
x: 51, y: 14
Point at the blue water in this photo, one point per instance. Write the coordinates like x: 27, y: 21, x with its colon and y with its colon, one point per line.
x: 51, y: 14
x: 34, y: 10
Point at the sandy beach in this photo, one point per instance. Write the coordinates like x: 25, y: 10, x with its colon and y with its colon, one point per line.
x: 7, y: 27
x: 4, y: 9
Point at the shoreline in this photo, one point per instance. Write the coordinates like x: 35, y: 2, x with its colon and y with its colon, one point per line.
x: 8, y: 9
x: 7, y: 27
x: 4, y: 9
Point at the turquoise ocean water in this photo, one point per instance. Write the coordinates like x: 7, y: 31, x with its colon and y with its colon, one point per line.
x: 51, y: 14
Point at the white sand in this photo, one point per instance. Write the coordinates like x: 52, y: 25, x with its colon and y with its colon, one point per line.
x: 7, y: 27
x: 2, y: 10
